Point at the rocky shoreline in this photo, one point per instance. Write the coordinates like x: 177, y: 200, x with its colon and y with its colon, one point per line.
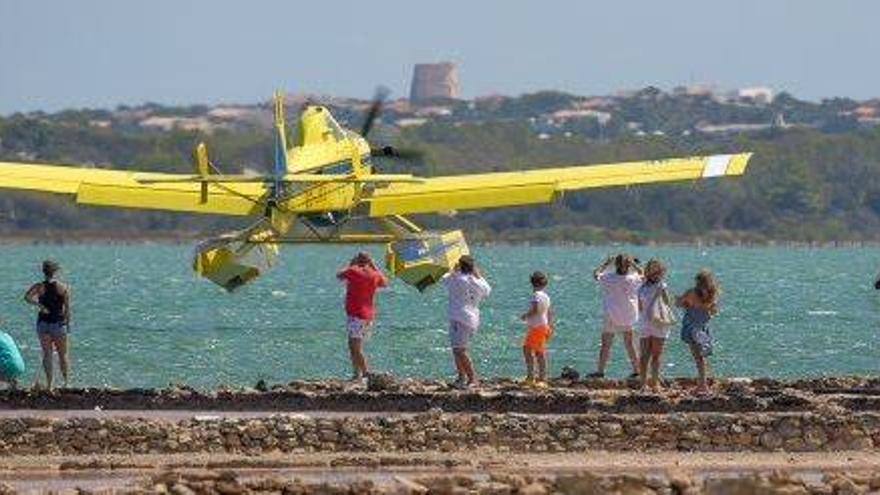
x: 829, y: 414
x: 384, y: 393
x: 424, y: 437
x: 507, y: 483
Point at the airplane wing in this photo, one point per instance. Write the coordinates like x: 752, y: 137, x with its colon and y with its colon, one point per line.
x: 119, y: 188
x: 493, y: 190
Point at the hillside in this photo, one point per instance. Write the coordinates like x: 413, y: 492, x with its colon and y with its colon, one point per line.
x: 814, y: 176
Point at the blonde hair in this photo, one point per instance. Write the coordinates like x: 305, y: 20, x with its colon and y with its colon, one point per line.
x: 707, y: 290
x: 655, y: 266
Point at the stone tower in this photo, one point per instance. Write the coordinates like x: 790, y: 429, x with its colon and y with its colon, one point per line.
x: 434, y: 81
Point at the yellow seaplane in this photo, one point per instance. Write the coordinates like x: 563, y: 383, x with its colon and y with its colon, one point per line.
x: 324, y: 189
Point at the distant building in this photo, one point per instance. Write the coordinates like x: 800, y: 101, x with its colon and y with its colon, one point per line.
x: 758, y: 94
x: 700, y: 89
x: 434, y: 81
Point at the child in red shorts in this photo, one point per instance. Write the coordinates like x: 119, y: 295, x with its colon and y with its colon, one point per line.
x: 539, y: 324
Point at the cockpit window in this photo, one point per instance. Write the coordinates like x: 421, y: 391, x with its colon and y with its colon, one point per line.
x: 334, y: 127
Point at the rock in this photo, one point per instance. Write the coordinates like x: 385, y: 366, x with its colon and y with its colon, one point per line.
x: 256, y: 430
x: 261, y: 385
x: 569, y: 373
x: 771, y: 440
x: 492, y: 488
x: 583, y: 484
x: 381, y: 382
x: 229, y: 487
x: 533, y: 489
x: 181, y: 489
x: 409, y: 487
x: 679, y: 481
x: 611, y: 429
x: 513, y: 480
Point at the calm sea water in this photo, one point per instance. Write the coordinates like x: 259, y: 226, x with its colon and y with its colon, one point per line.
x: 141, y: 318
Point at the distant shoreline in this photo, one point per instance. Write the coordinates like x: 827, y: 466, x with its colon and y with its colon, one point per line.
x: 173, y: 238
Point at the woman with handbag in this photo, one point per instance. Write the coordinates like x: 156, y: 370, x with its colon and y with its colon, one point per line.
x: 655, y: 319
x: 700, y: 304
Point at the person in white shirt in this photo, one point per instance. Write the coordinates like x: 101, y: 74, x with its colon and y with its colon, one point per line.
x: 539, y: 327
x: 466, y: 288
x: 652, y: 332
x: 620, y: 303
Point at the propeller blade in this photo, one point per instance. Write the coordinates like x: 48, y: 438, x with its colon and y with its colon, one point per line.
x: 375, y: 109
x: 398, y: 153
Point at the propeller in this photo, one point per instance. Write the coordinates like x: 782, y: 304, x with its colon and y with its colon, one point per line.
x: 375, y: 109
x: 385, y: 151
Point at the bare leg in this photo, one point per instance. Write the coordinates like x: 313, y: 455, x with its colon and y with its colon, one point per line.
x: 656, y: 355
x: 631, y: 350
x: 530, y: 363
x: 467, y: 366
x: 459, y: 369
x: 46, y: 346
x: 605, y: 351
x: 700, y: 361
x: 358, y: 359
x: 541, y: 358
x: 63, y: 363
x: 645, y: 355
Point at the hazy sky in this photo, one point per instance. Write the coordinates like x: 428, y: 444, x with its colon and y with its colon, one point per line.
x: 100, y: 53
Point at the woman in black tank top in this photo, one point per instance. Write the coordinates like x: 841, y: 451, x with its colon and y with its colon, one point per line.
x: 51, y: 303
x: 52, y: 298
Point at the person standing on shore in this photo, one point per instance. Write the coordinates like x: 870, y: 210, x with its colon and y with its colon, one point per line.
x: 620, y: 305
x: 362, y: 279
x: 655, y: 319
x: 539, y: 327
x: 52, y: 299
x: 466, y: 287
x: 700, y: 304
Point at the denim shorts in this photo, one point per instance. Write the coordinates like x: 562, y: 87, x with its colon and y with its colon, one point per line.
x: 52, y: 329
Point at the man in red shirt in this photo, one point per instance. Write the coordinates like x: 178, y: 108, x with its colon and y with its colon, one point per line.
x: 362, y: 278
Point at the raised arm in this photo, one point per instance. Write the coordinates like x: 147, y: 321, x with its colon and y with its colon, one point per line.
x: 685, y: 300
x: 601, y: 268
x: 381, y: 278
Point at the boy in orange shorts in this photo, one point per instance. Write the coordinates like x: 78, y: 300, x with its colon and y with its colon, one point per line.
x: 539, y: 322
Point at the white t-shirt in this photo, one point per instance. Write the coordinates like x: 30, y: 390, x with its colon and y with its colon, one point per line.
x: 465, y: 293
x: 542, y: 300
x: 621, y: 297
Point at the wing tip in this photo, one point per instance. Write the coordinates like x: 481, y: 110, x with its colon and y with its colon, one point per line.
x: 738, y: 163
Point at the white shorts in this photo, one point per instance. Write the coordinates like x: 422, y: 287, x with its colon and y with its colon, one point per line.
x: 609, y: 327
x: 358, y: 328
x: 652, y: 331
x: 460, y: 335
